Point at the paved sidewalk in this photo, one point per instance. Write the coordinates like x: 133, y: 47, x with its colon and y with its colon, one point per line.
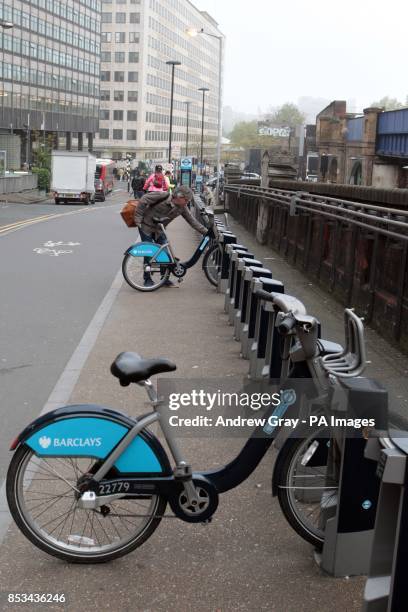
x: 248, y: 559
x: 31, y: 196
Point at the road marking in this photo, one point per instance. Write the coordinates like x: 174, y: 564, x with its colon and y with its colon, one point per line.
x: 52, y: 244
x: 62, y: 391
x: 13, y: 227
x: 47, y: 248
x: 52, y: 252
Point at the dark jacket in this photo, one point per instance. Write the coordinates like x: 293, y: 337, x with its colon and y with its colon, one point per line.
x: 138, y: 183
x: 159, y: 204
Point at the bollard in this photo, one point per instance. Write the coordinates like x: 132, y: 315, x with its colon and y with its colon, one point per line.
x: 349, y: 526
x: 236, y: 255
x: 386, y: 588
x: 240, y: 315
x: 251, y: 319
x: 243, y: 262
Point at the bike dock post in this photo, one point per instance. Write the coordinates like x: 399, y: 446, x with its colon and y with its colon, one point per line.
x: 233, y: 283
x: 225, y: 240
x: 251, y: 323
x: 243, y: 263
x: 386, y: 588
x: 266, y: 359
x: 264, y: 334
x: 230, y: 250
x: 350, y: 516
x: 248, y: 275
x: 227, y: 270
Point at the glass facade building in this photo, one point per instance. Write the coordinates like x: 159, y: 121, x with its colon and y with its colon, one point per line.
x: 50, y: 69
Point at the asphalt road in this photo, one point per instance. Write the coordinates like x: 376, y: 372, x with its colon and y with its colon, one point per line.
x: 54, y: 274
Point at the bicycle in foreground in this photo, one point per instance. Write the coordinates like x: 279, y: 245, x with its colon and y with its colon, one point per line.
x: 158, y: 262
x: 88, y: 484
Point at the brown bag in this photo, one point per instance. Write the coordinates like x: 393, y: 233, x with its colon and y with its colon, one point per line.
x: 128, y: 212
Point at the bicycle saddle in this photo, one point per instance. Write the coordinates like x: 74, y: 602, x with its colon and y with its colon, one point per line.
x: 160, y: 219
x: 132, y: 368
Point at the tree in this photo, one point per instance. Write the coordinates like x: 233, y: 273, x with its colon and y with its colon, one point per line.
x: 388, y: 103
x: 245, y: 134
x: 287, y: 115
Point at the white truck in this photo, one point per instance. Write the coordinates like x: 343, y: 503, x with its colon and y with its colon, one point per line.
x: 73, y: 176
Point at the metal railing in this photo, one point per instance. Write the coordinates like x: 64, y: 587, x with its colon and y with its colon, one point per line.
x: 358, y: 251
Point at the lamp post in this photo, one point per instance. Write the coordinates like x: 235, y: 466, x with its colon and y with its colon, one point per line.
x: 171, y: 63
x: 194, y: 32
x: 203, y: 89
x: 187, y: 103
x: 28, y: 140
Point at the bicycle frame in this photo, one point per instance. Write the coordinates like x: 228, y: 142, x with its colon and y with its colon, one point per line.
x: 164, y: 255
x: 223, y: 479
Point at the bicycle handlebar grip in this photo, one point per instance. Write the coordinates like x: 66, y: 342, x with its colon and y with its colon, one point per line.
x: 286, y: 325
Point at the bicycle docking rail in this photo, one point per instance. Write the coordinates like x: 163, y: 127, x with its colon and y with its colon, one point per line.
x: 349, y: 523
x: 255, y: 303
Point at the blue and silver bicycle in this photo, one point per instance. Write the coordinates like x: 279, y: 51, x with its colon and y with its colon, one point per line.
x: 89, y: 484
x: 148, y: 261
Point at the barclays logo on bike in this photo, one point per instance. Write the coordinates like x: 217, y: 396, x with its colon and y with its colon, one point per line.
x: 45, y: 442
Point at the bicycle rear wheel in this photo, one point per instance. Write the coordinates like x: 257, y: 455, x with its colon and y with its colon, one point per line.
x: 43, y: 495
x: 307, y: 484
x: 143, y: 276
x: 212, y: 263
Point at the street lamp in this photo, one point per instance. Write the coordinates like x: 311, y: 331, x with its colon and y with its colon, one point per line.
x: 187, y: 103
x: 171, y: 63
x: 203, y: 89
x: 194, y: 32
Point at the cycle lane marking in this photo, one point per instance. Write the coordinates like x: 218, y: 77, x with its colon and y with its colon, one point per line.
x: 66, y: 383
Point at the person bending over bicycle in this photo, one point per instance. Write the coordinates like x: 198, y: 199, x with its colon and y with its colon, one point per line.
x: 169, y: 207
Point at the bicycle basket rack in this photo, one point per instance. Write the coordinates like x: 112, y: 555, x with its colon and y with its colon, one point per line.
x: 352, y: 360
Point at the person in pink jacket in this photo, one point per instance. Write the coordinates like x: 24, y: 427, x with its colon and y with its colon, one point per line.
x: 156, y: 181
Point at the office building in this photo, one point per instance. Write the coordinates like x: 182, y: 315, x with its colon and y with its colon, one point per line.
x: 138, y: 38
x: 50, y: 65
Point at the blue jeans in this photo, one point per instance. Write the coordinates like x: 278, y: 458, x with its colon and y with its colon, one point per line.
x: 161, y: 239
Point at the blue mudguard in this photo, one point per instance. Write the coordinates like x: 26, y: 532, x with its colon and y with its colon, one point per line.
x: 149, y: 249
x: 94, y: 431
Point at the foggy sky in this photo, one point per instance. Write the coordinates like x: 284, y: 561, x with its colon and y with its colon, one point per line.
x: 278, y: 51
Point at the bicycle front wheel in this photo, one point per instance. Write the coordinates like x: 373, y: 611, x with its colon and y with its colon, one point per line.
x: 307, y: 484
x: 43, y: 495
x: 212, y: 263
x: 143, y: 276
